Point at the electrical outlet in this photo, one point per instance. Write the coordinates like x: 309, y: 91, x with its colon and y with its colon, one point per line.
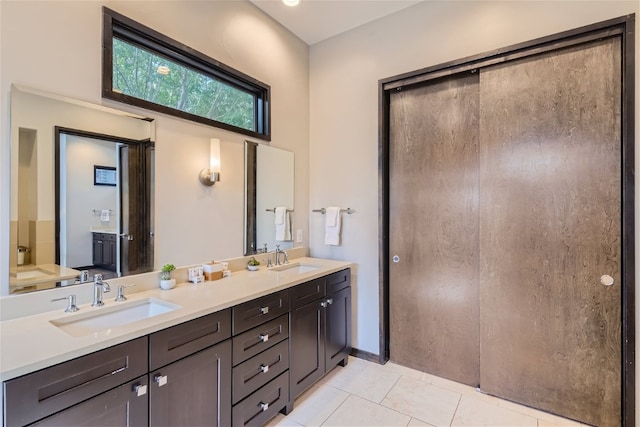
x: 298, y: 236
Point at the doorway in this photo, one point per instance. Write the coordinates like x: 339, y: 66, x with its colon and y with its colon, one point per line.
x: 103, y: 212
x: 499, y: 240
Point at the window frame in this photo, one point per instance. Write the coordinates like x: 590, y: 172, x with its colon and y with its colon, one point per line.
x: 132, y: 32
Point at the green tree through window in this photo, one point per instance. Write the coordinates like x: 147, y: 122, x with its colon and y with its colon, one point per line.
x: 145, y: 68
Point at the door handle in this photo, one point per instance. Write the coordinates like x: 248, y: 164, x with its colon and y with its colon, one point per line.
x: 606, y: 280
x: 396, y: 259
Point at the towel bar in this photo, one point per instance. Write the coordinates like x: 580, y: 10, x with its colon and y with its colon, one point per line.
x: 323, y: 211
x: 274, y: 209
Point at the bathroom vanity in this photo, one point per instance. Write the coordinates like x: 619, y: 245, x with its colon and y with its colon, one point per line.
x: 230, y: 352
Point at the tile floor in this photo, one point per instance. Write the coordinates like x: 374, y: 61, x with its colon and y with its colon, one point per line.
x: 368, y: 394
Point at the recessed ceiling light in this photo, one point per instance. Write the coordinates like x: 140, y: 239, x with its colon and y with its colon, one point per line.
x: 163, y: 69
x: 291, y: 2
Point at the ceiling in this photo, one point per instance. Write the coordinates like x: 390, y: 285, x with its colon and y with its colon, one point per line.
x: 317, y: 20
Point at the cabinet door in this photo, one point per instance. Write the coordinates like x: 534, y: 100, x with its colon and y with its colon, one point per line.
x: 122, y: 406
x: 307, y: 340
x: 338, y: 344
x: 98, y: 250
x: 109, y: 254
x: 194, y: 391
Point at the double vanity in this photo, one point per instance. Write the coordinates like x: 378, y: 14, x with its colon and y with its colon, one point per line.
x: 235, y: 351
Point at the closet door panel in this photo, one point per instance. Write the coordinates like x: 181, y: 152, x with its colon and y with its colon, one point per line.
x: 434, y: 228
x: 550, y: 167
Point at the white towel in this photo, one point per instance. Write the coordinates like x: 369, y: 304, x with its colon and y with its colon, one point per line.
x: 104, y: 215
x: 332, y: 226
x: 283, y: 224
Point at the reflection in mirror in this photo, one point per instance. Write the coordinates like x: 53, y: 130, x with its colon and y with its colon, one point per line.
x: 81, y: 192
x: 269, y: 184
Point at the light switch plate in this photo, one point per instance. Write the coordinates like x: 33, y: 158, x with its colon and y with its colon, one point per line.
x: 298, y: 236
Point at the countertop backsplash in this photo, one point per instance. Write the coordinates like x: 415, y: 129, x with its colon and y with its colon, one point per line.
x: 20, y: 305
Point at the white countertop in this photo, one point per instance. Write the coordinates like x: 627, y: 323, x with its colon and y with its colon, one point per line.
x: 32, y: 342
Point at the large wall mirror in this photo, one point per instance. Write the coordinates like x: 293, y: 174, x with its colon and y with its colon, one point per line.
x: 269, y: 208
x: 81, y: 192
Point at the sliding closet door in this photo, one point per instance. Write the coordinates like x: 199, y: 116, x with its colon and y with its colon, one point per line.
x: 550, y: 168
x: 433, y: 293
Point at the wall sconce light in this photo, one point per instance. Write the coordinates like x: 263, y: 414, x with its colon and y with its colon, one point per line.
x: 211, y: 175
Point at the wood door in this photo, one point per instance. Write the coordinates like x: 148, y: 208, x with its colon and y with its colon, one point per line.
x: 433, y: 170
x: 550, y: 200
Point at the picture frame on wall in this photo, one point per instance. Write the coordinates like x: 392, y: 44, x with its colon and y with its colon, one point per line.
x: 104, y: 175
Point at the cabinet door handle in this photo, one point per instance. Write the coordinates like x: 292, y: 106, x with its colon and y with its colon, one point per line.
x: 264, y: 310
x: 160, y: 379
x: 264, y: 406
x: 264, y: 368
x: 140, y: 389
x: 330, y: 301
x: 324, y: 304
x: 264, y: 337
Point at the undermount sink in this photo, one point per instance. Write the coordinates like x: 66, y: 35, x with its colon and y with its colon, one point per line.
x: 295, y: 267
x: 120, y: 314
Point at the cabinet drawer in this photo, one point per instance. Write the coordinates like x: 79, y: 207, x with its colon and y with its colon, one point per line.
x: 179, y: 341
x: 338, y: 280
x: 261, y: 406
x: 119, y: 406
x: 257, y: 311
x: 255, y: 340
x: 305, y: 293
x: 259, y: 370
x: 105, y: 236
x: 42, y: 393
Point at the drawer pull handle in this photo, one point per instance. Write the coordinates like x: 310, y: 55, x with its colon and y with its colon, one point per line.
x: 140, y: 389
x: 264, y: 310
x: 264, y: 337
x: 264, y: 368
x: 264, y: 406
x: 160, y: 379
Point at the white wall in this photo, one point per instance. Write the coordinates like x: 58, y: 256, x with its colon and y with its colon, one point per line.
x: 344, y: 109
x: 56, y: 46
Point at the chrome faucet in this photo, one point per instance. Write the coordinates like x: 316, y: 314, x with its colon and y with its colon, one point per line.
x: 98, y: 287
x: 278, y: 252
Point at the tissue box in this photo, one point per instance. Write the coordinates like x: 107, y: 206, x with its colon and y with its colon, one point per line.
x: 212, y: 271
x: 213, y: 276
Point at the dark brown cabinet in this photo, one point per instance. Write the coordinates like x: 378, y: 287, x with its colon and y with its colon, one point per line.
x: 320, y: 330
x: 61, y: 388
x: 105, y: 251
x: 190, y: 374
x: 193, y: 391
x: 260, y: 386
x: 239, y: 366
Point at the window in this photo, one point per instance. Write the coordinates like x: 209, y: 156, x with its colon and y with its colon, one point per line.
x: 147, y: 69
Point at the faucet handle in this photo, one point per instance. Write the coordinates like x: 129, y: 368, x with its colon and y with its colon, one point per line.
x: 121, y: 289
x: 71, y: 303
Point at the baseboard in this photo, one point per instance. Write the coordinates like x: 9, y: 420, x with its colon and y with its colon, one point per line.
x: 365, y: 355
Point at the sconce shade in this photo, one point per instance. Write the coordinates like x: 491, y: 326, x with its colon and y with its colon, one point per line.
x: 211, y: 175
